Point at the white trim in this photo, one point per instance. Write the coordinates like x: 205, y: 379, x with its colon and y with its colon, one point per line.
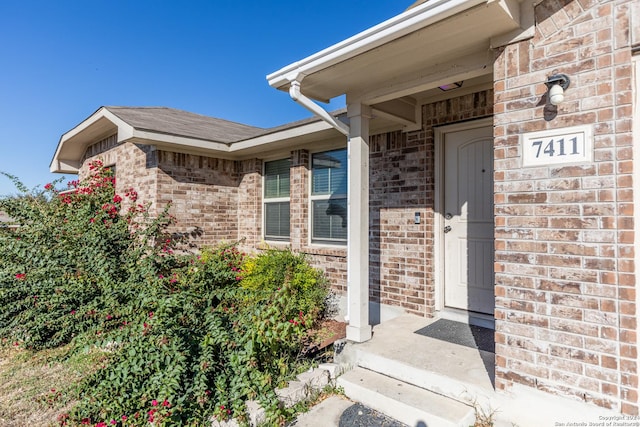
x: 400, y: 25
x: 279, y: 136
x: 280, y: 140
x: 439, y: 134
x: 263, y: 201
x: 328, y: 242
x: 67, y: 165
x: 177, y: 140
x: 309, y: 242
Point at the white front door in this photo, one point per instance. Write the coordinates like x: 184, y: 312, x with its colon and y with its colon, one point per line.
x: 468, y: 220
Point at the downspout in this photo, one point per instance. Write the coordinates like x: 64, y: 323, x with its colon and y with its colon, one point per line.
x: 296, y: 95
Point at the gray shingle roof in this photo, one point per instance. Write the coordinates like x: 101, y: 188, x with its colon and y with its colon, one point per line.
x: 183, y: 123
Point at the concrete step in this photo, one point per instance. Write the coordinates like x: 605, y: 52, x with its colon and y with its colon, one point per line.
x: 439, y: 380
x: 404, y: 402
x: 461, y: 373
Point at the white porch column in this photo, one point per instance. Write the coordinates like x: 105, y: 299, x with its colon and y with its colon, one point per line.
x: 359, y: 329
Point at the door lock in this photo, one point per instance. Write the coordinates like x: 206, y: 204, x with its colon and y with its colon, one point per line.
x: 447, y: 229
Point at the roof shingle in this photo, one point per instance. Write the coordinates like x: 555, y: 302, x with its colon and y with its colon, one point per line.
x: 183, y: 123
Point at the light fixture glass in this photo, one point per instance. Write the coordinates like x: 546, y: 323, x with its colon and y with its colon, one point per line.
x: 557, y: 84
x: 556, y: 94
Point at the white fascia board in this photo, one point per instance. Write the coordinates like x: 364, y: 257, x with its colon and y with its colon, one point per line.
x: 391, y: 29
x: 175, y: 140
x: 102, y: 112
x: 68, y: 166
x: 296, y: 132
x: 231, y: 151
x: 64, y: 166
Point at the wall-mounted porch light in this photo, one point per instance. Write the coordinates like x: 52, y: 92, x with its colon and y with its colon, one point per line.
x: 557, y: 84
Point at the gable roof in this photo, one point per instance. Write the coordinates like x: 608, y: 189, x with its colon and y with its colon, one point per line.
x: 181, y: 131
x: 183, y: 123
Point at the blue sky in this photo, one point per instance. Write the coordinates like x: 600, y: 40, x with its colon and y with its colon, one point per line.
x: 61, y: 60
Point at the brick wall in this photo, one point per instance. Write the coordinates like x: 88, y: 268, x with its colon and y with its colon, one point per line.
x: 565, y: 273
x: 249, y: 213
x: 135, y: 167
x: 212, y: 199
x: 401, y: 184
x: 203, y: 192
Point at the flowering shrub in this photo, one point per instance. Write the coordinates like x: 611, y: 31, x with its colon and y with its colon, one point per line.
x: 183, y: 337
x: 71, y: 258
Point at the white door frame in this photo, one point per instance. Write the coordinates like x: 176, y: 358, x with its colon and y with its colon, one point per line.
x: 438, y: 217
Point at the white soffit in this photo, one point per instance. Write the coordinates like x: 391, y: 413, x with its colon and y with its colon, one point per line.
x: 73, y: 144
x: 423, y: 45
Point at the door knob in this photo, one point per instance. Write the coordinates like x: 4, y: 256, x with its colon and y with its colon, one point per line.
x: 447, y: 229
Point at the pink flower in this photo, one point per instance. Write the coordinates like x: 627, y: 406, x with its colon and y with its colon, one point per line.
x: 113, y: 422
x: 73, y: 312
x: 117, y: 199
x: 124, y: 418
x: 20, y: 276
x: 154, y: 402
x: 101, y: 424
x: 166, y: 403
x: 49, y: 186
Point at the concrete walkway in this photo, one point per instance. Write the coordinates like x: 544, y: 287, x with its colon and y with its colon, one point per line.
x: 338, y: 411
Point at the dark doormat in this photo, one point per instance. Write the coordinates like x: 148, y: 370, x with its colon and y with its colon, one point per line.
x: 460, y: 333
x: 360, y: 416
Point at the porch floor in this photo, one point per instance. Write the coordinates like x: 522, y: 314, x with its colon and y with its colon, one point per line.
x: 460, y: 373
x: 397, y: 340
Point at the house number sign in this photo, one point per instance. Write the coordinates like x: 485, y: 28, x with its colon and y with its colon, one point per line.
x: 557, y: 146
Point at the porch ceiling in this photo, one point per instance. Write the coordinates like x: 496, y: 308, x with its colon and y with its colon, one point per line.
x: 435, y: 43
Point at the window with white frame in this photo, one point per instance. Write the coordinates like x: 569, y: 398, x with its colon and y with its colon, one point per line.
x: 276, y: 200
x: 329, y: 197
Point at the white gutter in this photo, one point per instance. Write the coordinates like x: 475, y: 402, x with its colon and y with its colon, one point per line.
x: 296, y: 95
x: 400, y: 25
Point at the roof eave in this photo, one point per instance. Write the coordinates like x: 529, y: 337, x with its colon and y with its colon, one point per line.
x: 73, y: 143
x: 423, y: 15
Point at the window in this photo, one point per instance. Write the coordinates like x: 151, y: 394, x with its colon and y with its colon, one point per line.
x: 329, y: 197
x: 112, y: 168
x: 276, y: 200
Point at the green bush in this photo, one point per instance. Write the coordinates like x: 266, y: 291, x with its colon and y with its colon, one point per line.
x: 183, y: 337
x: 267, y: 272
